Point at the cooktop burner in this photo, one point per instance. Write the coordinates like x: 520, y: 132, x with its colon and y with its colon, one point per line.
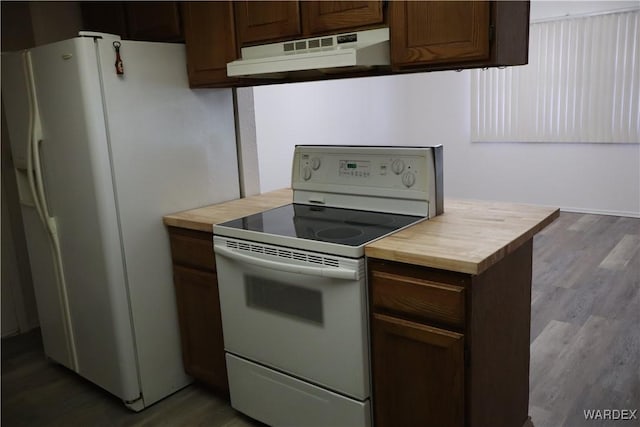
x: 318, y: 223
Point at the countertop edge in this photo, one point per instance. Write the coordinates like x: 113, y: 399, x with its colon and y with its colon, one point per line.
x: 186, y: 224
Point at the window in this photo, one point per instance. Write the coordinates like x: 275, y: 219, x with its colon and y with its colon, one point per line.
x: 582, y: 84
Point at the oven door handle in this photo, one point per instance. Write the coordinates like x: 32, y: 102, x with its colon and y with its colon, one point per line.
x: 334, y: 272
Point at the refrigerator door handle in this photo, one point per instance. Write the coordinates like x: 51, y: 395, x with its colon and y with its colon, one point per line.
x: 34, y: 165
x: 28, y: 72
x: 48, y: 220
x: 34, y: 172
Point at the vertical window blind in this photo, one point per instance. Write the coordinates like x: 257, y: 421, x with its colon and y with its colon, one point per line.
x: 582, y: 84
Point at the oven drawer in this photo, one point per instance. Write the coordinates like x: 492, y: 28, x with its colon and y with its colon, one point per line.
x: 280, y: 400
x: 418, y: 299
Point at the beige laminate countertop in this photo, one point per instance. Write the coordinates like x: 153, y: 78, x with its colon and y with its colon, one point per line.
x: 468, y: 237
x: 202, y: 219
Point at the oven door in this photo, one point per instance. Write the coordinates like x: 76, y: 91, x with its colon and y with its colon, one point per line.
x: 298, y: 312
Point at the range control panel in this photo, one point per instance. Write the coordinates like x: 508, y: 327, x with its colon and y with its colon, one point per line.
x: 383, y: 170
x: 400, y: 173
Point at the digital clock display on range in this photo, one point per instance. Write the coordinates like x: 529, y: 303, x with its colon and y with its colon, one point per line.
x: 354, y: 168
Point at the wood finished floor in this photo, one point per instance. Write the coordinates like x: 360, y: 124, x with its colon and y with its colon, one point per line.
x: 36, y: 392
x: 585, y: 345
x: 585, y: 320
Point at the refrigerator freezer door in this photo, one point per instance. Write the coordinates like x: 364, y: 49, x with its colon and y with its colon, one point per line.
x: 79, y: 191
x: 49, y: 287
x: 172, y: 148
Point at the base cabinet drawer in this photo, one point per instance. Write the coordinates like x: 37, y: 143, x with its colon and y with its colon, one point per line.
x: 418, y: 374
x: 192, y: 248
x: 418, y: 299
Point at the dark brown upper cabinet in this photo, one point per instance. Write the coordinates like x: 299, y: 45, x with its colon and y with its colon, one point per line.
x: 209, y: 34
x: 433, y: 31
x: 327, y: 16
x: 154, y: 21
x: 445, y: 34
x: 104, y: 17
x: 259, y: 21
x: 147, y: 21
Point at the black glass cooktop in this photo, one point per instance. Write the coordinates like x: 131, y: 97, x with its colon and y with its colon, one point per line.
x: 333, y: 225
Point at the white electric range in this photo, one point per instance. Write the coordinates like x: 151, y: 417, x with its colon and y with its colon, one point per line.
x: 292, y: 281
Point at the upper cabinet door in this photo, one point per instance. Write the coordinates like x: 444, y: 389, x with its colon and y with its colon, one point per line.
x: 104, y: 17
x: 137, y: 20
x: 259, y: 21
x: 154, y: 21
x: 325, y: 16
x: 210, y: 41
x: 429, y: 32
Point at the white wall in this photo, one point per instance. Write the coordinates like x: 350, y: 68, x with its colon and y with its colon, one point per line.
x: 433, y: 108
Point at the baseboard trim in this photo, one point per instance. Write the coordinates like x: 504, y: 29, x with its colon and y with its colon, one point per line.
x: 601, y: 212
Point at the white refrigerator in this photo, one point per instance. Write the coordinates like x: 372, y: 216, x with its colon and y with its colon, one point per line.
x: 100, y: 158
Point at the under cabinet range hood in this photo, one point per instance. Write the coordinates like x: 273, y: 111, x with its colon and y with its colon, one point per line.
x: 324, y: 54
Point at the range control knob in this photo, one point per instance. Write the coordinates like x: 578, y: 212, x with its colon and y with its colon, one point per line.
x: 397, y: 166
x: 306, y: 173
x: 408, y: 179
x: 315, y: 163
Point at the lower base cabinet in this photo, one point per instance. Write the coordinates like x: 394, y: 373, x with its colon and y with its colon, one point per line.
x: 451, y: 349
x: 196, y: 287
